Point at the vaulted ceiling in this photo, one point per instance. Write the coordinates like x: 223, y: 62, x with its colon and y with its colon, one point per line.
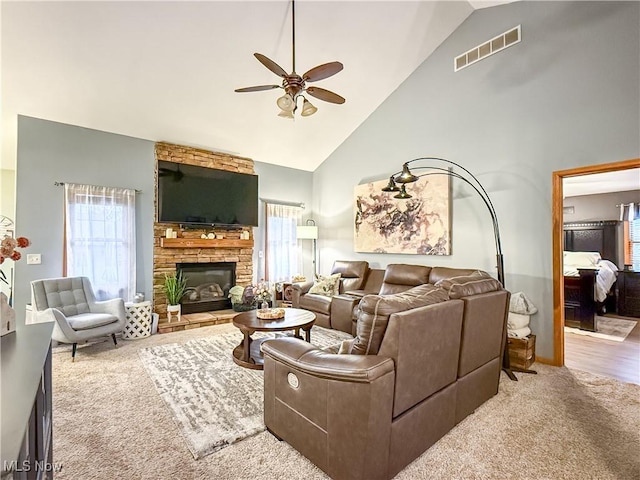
x: 167, y: 70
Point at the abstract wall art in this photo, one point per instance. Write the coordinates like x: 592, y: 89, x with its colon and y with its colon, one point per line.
x: 420, y: 225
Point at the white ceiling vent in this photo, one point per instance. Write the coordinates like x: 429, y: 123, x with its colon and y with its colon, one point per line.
x: 488, y: 48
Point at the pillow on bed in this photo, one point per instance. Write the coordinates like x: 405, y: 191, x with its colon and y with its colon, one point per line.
x: 582, y: 259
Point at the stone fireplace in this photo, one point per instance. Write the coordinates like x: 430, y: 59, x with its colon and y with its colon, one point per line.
x: 208, y: 285
x: 191, y: 248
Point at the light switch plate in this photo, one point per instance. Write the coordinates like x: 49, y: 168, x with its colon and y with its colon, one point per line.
x: 33, y: 259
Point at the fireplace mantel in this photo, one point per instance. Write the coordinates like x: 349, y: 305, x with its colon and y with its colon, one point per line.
x: 205, y: 243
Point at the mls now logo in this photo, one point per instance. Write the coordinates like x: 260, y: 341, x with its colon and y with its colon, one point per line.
x: 27, y: 466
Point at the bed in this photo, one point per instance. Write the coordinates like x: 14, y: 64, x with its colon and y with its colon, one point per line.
x: 590, y: 272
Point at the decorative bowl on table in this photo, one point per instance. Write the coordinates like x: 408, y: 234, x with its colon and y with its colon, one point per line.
x: 270, y: 313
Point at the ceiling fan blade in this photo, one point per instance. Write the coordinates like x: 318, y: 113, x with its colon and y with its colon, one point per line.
x: 271, y: 65
x: 325, y: 95
x: 258, y: 88
x: 322, y: 71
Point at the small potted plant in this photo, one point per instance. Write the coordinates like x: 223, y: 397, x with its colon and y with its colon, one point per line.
x: 174, y: 287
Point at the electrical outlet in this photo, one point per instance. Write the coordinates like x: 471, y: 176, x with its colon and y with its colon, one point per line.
x: 33, y: 259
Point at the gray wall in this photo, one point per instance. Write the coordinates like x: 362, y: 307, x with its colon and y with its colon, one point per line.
x: 566, y: 96
x: 598, y: 207
x: 50, y: 152
x: 281, y: 185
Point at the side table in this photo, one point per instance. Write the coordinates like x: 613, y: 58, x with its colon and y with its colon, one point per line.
x: 138, y: 324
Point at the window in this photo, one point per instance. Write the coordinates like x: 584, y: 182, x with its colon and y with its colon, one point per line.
x: 634, y: 237
x: 282, y: 259
x: 630, y: 214
x: 100, y: 238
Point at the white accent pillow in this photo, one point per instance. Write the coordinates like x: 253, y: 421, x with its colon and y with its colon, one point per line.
x: 326, y: 285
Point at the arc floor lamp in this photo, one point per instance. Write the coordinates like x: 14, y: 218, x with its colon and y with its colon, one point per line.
x: 441, y: 166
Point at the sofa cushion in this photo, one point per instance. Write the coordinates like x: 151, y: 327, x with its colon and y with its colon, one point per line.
x: 400, y: 277
x: 316, y: 303
x: 466, y: 285
x: 440, y: 273
x: 375, y: 311
x: 326, y: 285
x: 86, y: 321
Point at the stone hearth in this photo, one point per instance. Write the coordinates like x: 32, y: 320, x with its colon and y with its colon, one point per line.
x: 166, y: 255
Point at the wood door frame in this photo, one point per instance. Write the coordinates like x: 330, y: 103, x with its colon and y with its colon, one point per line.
x: 557, y: 239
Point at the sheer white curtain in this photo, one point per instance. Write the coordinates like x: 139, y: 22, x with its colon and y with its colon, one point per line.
x: 282, y: 256
x: 100, y: 238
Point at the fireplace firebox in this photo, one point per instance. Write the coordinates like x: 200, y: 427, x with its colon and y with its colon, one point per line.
x: 208, y: 286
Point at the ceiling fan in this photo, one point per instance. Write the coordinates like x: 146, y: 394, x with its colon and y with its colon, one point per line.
x: 294, y: 85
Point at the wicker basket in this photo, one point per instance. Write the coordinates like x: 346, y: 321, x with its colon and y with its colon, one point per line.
x: 270, y: 313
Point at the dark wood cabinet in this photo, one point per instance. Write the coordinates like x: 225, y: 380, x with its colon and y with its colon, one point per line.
x: 27, y: 427
x: 629, y: 293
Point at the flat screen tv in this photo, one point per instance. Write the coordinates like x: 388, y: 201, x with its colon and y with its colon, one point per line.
x: 189, y: 194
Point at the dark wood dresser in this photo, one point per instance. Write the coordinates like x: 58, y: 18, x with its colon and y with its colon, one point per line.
x: 629, y: 293
x: 27, y: 428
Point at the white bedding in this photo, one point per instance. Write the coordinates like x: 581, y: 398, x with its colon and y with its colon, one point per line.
x: 607, y: 271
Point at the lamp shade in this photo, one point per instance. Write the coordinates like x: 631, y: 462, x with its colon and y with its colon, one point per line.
x: 307, y: 108
x: 406, y: 176
x: 307, y: 232
x: 286, y: 103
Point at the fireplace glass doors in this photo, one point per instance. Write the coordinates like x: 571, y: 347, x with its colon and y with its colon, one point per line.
x: 208, y: 286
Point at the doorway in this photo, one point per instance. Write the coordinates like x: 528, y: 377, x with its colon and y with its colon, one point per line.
x: 557, y: 244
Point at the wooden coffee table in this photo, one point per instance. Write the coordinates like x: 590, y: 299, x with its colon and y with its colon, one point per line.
x: 248, y: 353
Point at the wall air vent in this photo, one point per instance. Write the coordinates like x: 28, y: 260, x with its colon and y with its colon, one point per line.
x: 496, y: 44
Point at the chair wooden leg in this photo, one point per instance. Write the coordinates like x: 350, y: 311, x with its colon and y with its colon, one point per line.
x: 113, y: 335
x: 73, y: 352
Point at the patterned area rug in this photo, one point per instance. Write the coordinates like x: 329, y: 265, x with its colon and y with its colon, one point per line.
x: 214, y: 401
x: 608, y: 328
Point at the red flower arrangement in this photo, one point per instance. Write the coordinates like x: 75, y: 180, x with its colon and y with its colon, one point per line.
x: 9, y: 246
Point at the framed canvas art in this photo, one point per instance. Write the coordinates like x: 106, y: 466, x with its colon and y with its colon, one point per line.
x: 420, y: 225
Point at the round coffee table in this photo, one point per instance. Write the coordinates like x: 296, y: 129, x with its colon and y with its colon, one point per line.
x: 248, y: 353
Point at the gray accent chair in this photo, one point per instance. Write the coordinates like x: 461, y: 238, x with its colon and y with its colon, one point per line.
x: 71, y: 303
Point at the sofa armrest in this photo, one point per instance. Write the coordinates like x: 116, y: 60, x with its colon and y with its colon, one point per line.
x: 309, y: 359
x: 113, y: 307
x: 299, y: 289
x: 342, y: 312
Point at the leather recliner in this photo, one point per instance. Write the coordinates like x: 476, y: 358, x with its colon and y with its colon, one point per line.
x: 352, y: 277
x: 368, y: 416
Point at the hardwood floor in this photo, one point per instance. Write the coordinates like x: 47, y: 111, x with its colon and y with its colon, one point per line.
x: 620, y: 360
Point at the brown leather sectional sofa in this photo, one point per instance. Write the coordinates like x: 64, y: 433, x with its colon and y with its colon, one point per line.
x: 424, y: 357
x: 358, y: 280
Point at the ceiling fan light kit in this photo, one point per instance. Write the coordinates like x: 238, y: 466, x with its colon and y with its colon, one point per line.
x: 308, y: 108
x: 294, y: 85
x: 286, y: 103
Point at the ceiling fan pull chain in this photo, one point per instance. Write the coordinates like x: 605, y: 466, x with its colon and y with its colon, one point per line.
x: 293, y: 34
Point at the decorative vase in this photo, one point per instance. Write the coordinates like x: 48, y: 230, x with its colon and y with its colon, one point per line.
x: 173, y: 311
x: 264, y: 305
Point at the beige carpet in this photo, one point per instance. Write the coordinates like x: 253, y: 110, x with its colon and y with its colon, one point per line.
x: 214, y: 402
x: 109, y: 422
